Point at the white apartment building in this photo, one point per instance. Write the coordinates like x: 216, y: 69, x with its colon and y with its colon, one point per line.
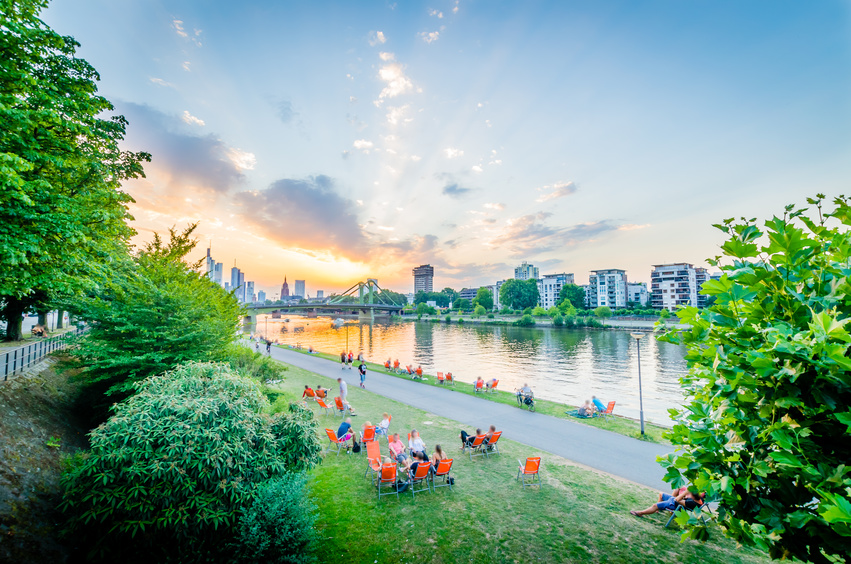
x: 526, y: 271
x: 677, y: 284
x: 607, y: 288
x: 549, y: 287
x: 637, y: 293
x: 494, y: 288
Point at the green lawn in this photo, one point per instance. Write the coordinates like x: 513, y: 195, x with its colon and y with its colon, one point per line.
x: 620, y: 425
x: 577, y: 516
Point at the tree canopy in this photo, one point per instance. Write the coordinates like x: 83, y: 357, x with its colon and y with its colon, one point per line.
x: 451, y: 294
x: 519, y: 294
x: 484, y: 298
x: 768, y: 428
x: 62, y: 210
x: 441, y: 299
x: 573, y: 294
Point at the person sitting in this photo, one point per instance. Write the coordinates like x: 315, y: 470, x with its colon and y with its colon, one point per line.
x: 418, y: 457
x: 38, y: 330
x: 415, y: 443
x: 467, y: 440
x: 670, y: 502
x: 419, y: 372
x: 438, y: 454
x: 598, y: 404
x: 479, y: 384
x: 387, y: 364
x: 310, y: 349
x: 489, y: 434
x: 490, y: 383
x: 396, y: 365
x: 308, y: 392
x: 397, y: 451
x: 586, y: 410
x: 384, y: 426
x: 321, y: 392
x: 523, y: 394
x: 345, y: 433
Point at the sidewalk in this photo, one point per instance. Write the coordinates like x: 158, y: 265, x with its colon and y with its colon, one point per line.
x: 599, y: 449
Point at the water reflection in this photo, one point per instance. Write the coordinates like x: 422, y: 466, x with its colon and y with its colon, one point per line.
x: 564, y: 365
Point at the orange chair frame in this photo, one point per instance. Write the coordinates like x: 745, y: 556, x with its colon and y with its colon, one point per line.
x: 532, y: 470
x: 443, y: 469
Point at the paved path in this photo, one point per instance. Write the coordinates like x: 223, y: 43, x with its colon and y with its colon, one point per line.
x: 596, y: 448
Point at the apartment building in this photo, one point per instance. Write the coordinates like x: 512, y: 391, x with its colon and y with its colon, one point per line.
x: 526, y: 271
x: 637, y: 293
x: 549, y: 287
x: 607, y: 288
x: 677, y: 284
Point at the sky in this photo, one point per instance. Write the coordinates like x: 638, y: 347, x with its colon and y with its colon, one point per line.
x: 339, y: 141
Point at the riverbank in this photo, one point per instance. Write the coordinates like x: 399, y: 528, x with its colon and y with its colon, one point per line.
x: 544, y: 321
x: 616, y: 423
x: 579, y: 515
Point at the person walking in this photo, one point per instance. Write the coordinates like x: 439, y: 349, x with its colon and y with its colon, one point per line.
x: 351, y: 359
x: 362, y: 371
x: 268, y: 347
x: 342, y: 360
x: 344, y: 389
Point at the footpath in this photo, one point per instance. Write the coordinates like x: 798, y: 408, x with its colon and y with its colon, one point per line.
x: 595, y: 448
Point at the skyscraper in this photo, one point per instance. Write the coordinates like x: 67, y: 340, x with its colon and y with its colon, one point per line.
x: 213, y: 269
x: 237, y: 282
x: 285, y: 289
x: 526, y: 271
x: 261, y: 297
x: 424, y: 278
x: 300, y: 290
x: 249, y: 292
x: 320, y: 293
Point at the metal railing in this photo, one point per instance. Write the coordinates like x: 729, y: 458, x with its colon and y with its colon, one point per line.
x: 21, y: 358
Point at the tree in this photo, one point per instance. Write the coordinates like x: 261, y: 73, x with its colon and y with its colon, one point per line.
x: 451, y: 295
x: 539, y: 312
x: 462, y: 304
x: 768, y: 429
x: 519, y: 294
x: 530, y: 294
x: 479, y: 310
x: 484, y: 298
x: 509, y: 293
x: 393, y: 297
x: 156, y: 313
x: 573, y: 294
x: 603, y: 312
x: 441, y: 299
x: 62, y: 210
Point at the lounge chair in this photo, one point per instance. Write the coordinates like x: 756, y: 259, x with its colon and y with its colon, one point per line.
x: 440, y: 379
x: 492, y: 388
x: 333, y: 440
x: 530, y: 471
x: 492, y: 446
x: 342, y: 408
x: 442, y: 471
x: 702, y: 505
x: 479, y: 386
x: 420, y: 476
x: 368, y: 435
x: 310, y: 394
x: 609, y: 411
x: 373, y: 459
x: 450, y: 379
x: 476, y: 446
x: 387, y: 478
x: 323, y: 405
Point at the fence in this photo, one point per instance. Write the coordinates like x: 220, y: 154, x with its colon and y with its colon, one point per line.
x: 18, y: 360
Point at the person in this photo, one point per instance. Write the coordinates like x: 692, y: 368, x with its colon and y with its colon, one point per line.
x: 417, y: 459
x: 523, y: 393
x: 308, y: 392
x: 396, y: 365
x: 490, y: 383
x: 268, y: 347
x: 321, y: 392
x: 384, y: 426
x: 416, y: 443
x: 360, y: 356
x: 387, y: 364
x: 342, y: 360
x: 344, y: 389
x: 479, y: 383
x: 438, y: 454
x: 681, y: 496
x: 362, y: 372
x: 586, y: 410
x: 598, y: 404
x: 420, y: 372
x: 350, y: 360
x: 345, y: 433
x: 257, y: 346
x: 489, y: 434
x: 397, y: 451
x: 467, y: 440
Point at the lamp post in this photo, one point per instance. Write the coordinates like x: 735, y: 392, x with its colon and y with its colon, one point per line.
x: 637, y: 337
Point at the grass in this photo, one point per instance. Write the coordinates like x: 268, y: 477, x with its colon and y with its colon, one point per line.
x: 621, y: 425
x: 578, y: 514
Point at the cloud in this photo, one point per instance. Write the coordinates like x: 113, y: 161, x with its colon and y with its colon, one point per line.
x: 386, y: 57
x: 305, y: 214
x: 452, y: 153
x: 393, y: 75
x: 190, y: 119
x: 430, y: 37
x: 363, y: 145
x: 455, y: 9
x: 477, y: 169
x: 377, y: 38
x: 416, y: 158
x: 161, y: 82
x: 436, y: 13
x: 495, y: 206
x: 559, y: 190
x: 529, y: 235
x: 187, y: 66
x: 632, y: 227
x: 396, y: 114
x: 286, y: 112
x: 455, y: 191
x: 178, y: 28
x: 241, y: 159
x: 181, y: 31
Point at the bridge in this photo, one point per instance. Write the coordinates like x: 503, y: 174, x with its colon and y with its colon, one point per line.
x: 363, y: 299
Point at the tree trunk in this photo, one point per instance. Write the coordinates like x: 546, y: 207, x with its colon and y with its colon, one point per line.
x: 42, y: 319
x: 13, y: 314
x: 59, y: 315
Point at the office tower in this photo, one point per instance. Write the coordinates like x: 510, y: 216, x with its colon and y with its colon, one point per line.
x: 300, y: 289
x: 549, y: 288
x: 468, y: 293
x: 320, y: 293
x: 210, y: 265
x: 424, y: 278
x: 607, y: 288
x: 217, y: 273
x: 285, y: 289
x: 261, y: 297
x: 227, y: 286
x: 249, y: 292
x: 526, y: 271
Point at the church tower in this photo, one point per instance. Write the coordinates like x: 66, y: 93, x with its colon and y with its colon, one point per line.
x: 285, y: 289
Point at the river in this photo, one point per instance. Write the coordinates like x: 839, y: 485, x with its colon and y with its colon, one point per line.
x: 564, y: 365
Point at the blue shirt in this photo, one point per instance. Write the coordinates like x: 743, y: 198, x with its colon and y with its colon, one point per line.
x: 599, y: 405
x: 344, y: 428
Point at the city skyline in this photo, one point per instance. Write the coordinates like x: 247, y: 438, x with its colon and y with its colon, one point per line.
x: 350, y: 141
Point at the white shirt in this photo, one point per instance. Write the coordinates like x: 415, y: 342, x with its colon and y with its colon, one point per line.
x: 344, y: 388
x: 416, y: 444
x: 385, y: 424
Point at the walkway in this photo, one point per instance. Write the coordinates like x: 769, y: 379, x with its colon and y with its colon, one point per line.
x: 596, y: 448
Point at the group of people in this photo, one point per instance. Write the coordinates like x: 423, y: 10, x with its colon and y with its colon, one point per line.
x: 670, y: 502
x: 467, y: 438
x: 590, y: 408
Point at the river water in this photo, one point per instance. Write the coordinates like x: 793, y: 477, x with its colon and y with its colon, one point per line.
x: 564, y: 365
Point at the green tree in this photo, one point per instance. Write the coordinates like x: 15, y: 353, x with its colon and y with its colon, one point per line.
x: 573, y: 294
x: 479, y: 310
x: 509, y: 293
x: 603, y: 312
x: 62, y: 210
x: 539, y: 312
x: 484, y: 298
x: 393, y: 297
x: 451, y: 295
x: 768, y: 429
x: 664, y: 314
x: 156, y: 313
x: 519, y: 294
x: 462, y: 304
x: 441, y: 299
x: 525, y: 321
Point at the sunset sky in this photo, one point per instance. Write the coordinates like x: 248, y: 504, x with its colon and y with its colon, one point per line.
x: 335, y: 141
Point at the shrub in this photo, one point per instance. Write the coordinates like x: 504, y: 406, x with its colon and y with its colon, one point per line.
x: 460, y: 320
x: 527, y: 311
x: 558, y: 320
x: 525, y: 321
x: 490, y: 316
x: 254, y: 365
x: 539, y: 312
x: 569, y: 320
x: 603, y: 312
x: 298, y: 440
x: 169, y: 474
x: 505, y: 311
x: 278, y: 527
x: 480, y: 310
x: 449, y: 319
x: 664, y: 314
x: 553, y: 311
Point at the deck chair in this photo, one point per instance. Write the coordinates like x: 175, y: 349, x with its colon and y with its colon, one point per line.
x: 479, y: 386
x: 342, y: 408
x: 387, y: 479
x: 703, y: 506
x: 409, y: 371
x: 492, y: 447
x: 419, y: 373
x: 442, y: 471
x: 373, y: 459
x: 368, y: 435
x: 333, y: 440
x: 310, y: 394
x: 492, y: 389
x: 450, y: 379
x: 420, y: 476
x: 323, y: 405
x: 530, y: 471
x: 396, y: 366
x: 609, y: 411
x: 323, y: 394
x: 476, y: 446
x: 440, y: 379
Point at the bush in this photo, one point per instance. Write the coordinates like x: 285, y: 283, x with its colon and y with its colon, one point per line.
x: 553, y: 311
x: 480, y: 310
x: 664, y: 314
x: 525, y: 321
x: 279, y: 525
x: 449, y: 319
x: 169, y: 474
x: 527, y: 311
x: 569, y: 320
x: 505, y: 311
x: 254, y: 365
x: 460, y: 320
x: 558, y: 320
x: 298, y: 440
x: 490, y: 316
x: 539, y: 312
x: 603, y: 312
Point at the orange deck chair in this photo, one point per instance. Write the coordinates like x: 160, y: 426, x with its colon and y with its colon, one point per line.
x: 492, y: 447
x: 476, y: 445
x: 396, y: 365
x: 408, y: 370
x: 421, y: 476
x: 323, y: 405
x: 440, y: 378
x: 373, y: 459
x: 332, y: 437
x: 442, y: 471
x: 419, y: 372
x: 478, y: 386
x: 492, y: 389
x: 342, y: 409
x: 321, y: 393
x: 387, y: 478
x: 610, y: 409
x: 310, y: 394
x: 449, y: 378
x: 530, y: 471
x: 369, y: 435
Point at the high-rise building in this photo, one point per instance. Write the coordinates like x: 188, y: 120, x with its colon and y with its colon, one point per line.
x: 300, y: 290
x: 526, y: 271
x: 249, y: 292
x: 237, y: 283
x: 213, y: 269
x: 549, y: 288
x: 424, y: 278
x: 607, y: 288
x: 320, y: 293
x: 217, y: 273
x: 637, y: 293
x: 285, y: 289
x: 227, y: 286
x: 261, y: 297
x: 673, y: 285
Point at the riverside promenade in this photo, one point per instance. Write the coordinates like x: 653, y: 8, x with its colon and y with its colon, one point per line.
x: 595, y: 448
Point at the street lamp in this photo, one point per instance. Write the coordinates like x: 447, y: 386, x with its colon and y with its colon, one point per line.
x: 637, y: 337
